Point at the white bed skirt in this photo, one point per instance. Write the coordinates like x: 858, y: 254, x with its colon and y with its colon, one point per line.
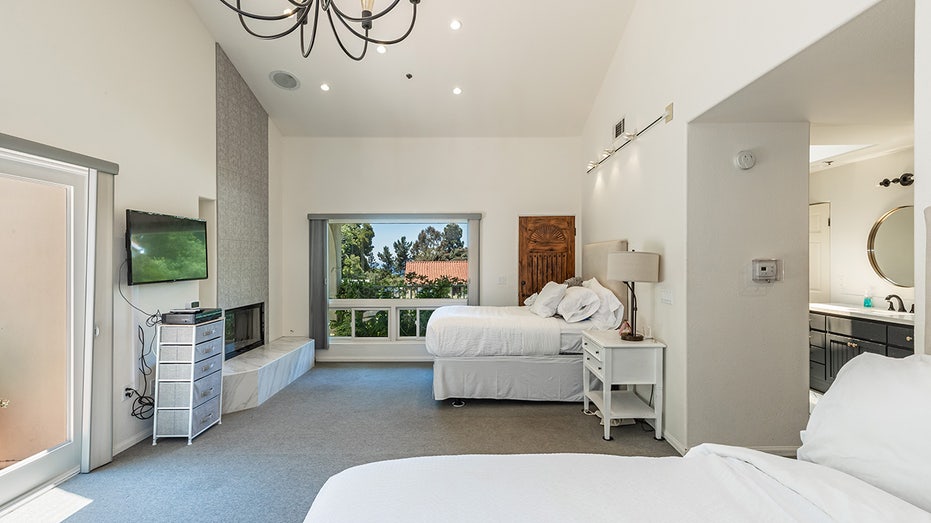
x: 533, y: 378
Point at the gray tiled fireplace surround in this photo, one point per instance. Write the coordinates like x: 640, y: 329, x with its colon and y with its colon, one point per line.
x: 242, y: 241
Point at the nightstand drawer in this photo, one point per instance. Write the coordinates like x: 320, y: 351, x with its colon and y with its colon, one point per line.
x: 594, y: 366
x: 593, y: 350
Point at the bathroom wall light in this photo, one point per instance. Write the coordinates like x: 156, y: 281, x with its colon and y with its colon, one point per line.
x: 905, y: 180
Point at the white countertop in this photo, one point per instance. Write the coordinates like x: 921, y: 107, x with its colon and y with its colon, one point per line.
x: 871, y: 313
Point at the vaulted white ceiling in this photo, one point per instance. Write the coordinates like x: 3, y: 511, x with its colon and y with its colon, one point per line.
x: 525, y: 68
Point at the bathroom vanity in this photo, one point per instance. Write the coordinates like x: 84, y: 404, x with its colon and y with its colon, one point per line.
x: 838, y: 332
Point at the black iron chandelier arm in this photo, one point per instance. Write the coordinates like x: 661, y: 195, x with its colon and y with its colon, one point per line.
x: 375, y: 40
x: 243, y: 13
x: 305, y: 51
x: 375, y: 16
x: 365, y: 47
x: 286, y: 32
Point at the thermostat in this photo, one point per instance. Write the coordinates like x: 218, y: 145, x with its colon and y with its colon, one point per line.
x: 764, y: 270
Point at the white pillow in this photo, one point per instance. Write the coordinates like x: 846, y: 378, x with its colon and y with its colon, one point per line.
x: 610, y: 311
x: 874, y: 423
x: 530, y: 299
x: 578, y: 304
x: 548, y: 299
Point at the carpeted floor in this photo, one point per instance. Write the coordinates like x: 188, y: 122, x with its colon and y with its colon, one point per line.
x: 267, y: 463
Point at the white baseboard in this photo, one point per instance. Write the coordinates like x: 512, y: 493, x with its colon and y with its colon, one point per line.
x: 374, y: 352
x: 132, y: 440
x: 676, y: 444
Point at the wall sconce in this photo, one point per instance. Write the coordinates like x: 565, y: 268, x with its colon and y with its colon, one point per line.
x: 905, y: 180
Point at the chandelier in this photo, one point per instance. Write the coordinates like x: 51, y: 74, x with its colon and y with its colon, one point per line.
x: 307, y: 12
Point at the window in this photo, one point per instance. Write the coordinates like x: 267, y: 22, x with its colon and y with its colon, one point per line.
x: 385, y: 275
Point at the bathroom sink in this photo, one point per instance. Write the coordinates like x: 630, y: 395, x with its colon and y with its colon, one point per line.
x: 863, y: 312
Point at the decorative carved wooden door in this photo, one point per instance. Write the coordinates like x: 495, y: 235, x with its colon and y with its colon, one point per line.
x: 546, y: 252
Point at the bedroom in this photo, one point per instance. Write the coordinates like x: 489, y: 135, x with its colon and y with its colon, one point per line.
x: 123, y: 91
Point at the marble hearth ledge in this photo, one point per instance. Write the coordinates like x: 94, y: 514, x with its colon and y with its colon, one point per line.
x: 251, y: 378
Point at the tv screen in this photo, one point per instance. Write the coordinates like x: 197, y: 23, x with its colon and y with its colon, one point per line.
x: 164, y: 248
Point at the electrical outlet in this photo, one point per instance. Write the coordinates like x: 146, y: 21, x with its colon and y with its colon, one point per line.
x: 127, y: 391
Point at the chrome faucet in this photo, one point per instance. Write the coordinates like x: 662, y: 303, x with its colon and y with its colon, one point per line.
x: 901, y: 304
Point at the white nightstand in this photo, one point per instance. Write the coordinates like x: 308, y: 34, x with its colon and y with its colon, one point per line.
x: 614, y: 361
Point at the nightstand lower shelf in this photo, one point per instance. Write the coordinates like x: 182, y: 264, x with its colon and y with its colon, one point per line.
x: 624, y: 405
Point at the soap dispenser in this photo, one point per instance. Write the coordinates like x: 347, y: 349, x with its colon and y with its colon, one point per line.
x: 867, y: 299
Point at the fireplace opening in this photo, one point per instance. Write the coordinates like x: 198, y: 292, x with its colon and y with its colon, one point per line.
x: 245, y: 329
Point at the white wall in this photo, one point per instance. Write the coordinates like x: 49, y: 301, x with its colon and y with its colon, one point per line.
x: 273, y: 309
x: 502, y: 178
x: 856, y: 203
x: 922, y: 165
x: 641, y: 193
x: 746, y: 366
x: 83, y: 76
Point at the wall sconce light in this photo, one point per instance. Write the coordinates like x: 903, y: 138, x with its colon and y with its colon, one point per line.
x: 905, y: 180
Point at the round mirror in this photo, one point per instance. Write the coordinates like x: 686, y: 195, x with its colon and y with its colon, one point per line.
x: 891, y: 246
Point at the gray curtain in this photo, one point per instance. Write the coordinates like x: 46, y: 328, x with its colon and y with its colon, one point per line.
x: 475, y: 241
x: 319, y: 330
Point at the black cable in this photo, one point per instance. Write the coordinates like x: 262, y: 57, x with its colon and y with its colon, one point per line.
x: 644, y: 426
x: 143, y: 404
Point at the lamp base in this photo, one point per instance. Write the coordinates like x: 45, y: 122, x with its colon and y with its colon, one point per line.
x: 632, y: 337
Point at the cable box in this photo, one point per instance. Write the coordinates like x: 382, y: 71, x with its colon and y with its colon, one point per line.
x: 190, y: 316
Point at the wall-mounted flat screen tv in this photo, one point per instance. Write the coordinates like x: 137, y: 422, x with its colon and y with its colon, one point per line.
x: 164, y: 248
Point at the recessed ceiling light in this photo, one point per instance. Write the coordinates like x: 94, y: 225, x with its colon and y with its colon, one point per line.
x: 381, y: 49
x: 324, y: 87
x: 455, y: 25
x: 457, y: 90
x: 284, y: 80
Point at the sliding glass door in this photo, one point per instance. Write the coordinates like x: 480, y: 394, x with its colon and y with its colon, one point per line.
x: 44, y: 324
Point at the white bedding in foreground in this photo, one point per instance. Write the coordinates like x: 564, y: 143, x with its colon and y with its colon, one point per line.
x: 461, y: 330
x: 712, y: 483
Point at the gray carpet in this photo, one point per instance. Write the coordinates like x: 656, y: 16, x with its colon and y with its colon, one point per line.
x: 267, y: 463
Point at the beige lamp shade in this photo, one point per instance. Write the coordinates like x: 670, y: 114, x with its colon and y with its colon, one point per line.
x: 633, y: 266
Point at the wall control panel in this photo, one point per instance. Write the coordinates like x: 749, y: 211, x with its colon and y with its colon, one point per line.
x: 764, y: 270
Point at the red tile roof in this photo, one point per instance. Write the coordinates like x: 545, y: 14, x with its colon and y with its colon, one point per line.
x: 435, y: 269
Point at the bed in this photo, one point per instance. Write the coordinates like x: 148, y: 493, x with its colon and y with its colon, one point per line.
x: 510, y: 353
x: 864, y: 457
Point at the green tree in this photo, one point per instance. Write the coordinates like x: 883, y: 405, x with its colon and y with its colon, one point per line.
x: 402, y: 253
x: 357, y: 248
x: 451, y: 245
x: 388, y: 261
x: 427, y: 246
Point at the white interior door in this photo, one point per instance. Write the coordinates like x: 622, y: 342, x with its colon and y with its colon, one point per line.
x: 44, y: 320
x: 819, y: 253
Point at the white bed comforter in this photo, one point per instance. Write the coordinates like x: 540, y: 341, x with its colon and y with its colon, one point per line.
x: 712, y: 483
x: 461, y: 330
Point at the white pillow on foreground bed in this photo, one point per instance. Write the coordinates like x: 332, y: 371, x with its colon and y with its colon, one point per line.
x: 548, y: 299
x: 611, y: 311
x: 578, y: 304
x: 874, y: 423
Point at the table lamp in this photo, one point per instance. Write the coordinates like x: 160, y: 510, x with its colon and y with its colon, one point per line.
x: 630, y: 267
